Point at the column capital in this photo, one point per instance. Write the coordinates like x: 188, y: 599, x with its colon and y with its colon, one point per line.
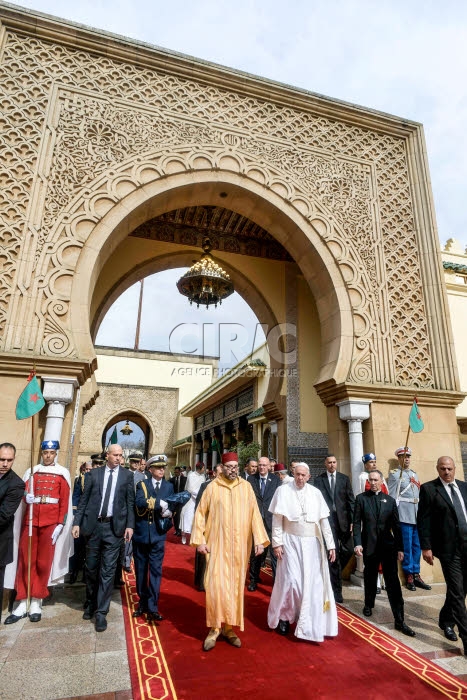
x: 354, y: 409
x: 59, y: 389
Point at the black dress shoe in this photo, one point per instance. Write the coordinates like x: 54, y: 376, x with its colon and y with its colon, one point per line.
x: 101, y: 623
x: 11, y: 619
x: 367, y: 611
x: 252, y: 586
x: 73, y: 577
x: 283, y: 627
x: 88, y: 613
x: 139, y: 612
x: 119, y: 584
x: 35, y: 617
x: 405, y: 629
x: 154, y: 616
x: 450, y: 634
x: 378, y: 590
x: 420, y: 583
x: 178, y: 533
x: 338, y: 598
x: 409, y: 583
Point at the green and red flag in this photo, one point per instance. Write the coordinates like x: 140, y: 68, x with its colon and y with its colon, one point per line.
x: 415, y: 418
x: 31, y: 400
x: 114, y: 437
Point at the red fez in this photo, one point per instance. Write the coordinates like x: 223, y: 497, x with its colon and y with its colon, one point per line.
x: 229, y: 457
x: 279, y: 467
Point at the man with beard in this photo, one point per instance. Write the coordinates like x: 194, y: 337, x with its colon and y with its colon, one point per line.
x: 226, y: 520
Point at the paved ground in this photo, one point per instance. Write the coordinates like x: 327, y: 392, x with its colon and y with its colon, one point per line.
x: 63, y: 656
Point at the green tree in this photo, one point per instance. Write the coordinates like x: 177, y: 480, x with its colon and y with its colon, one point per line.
x: 247, y: 450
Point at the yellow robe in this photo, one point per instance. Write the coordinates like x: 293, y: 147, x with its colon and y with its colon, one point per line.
x: 226, y: 519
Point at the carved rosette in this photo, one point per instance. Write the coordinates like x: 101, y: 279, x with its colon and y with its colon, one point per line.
x: 89, y: 130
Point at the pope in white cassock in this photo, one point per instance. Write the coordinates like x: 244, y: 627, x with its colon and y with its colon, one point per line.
x: 302, y: 540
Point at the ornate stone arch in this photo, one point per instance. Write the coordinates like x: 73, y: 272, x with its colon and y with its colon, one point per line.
x: 246, y: 197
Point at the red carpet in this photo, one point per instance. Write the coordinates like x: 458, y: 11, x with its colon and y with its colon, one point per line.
x: 167, y: 660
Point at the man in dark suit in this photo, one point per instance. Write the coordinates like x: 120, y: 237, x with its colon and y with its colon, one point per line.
x: 264, y: 485
x: 251, y: 468
x: 377, y: 536
x: 149, y: 537
x: 442, y: 527
x: 178, y: 482
x: 105, y: 515
x: 337, y: 491
x: 11, y: 493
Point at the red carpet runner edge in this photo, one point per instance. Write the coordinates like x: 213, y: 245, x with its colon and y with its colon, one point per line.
x: 167, y: 661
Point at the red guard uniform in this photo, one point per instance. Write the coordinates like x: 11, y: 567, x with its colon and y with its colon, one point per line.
x: 54, y: 494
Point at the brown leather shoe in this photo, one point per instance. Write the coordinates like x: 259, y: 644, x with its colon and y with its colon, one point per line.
x: 231, y: 637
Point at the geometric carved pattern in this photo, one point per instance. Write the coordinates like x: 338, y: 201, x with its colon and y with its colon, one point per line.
x: 109, y: 127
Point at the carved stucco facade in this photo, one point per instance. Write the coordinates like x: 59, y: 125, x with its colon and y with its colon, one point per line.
x: 100, y: 134
x: 157, y: 406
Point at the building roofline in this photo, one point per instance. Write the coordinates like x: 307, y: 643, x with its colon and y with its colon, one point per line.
x: 80, y: 36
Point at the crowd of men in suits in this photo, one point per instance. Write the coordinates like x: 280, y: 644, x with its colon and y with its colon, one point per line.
x: 111, y: 507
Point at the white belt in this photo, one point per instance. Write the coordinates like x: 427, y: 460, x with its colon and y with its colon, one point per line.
x: 408, y: 500
x: 46, y: 499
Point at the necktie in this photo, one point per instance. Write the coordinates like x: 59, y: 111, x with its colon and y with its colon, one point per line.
x: 177, y: 485
x: 158, y: 485
x: 461, y: 521
x: 333, y: 489
x: 263, y: 486
x: 108, y: 489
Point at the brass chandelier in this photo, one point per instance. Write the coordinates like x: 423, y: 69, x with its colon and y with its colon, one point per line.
x: 126, y: 430
x: 205, y: 282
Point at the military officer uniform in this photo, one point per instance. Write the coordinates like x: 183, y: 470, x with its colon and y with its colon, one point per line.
x: 149, y: 537
x: 404, y: 487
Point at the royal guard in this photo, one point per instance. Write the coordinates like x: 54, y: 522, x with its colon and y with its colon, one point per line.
x: 45, y: 534
x: 404, y: 486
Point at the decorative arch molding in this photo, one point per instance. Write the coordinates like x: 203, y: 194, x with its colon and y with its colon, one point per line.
x: 246, y: 197
x: 348, y: 188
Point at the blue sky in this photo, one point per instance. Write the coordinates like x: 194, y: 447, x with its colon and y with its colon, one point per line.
x: 405, y: 57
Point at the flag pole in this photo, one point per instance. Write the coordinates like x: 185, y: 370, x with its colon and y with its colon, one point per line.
x: 31, y: 490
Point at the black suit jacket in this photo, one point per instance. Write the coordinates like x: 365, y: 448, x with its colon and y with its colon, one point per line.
x: 437, y: 521
x: 375, y: 531
x: 272, y: 483
x: 11, y: 493
x: 182, y: 483
x: 343, y: 498
x: 90, y: 502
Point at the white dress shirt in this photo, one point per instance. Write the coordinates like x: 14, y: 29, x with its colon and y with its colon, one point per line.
x: 448, y: 489
x: 112, y: 491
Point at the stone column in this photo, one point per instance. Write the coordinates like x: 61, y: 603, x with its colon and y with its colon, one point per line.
x: 58, y: 392
x: 355, y: 411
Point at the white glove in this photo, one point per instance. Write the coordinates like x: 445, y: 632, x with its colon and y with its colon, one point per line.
x: 56, y: 533
x: 29, y: 498
x: 164, y: 505
x: 166, y: 513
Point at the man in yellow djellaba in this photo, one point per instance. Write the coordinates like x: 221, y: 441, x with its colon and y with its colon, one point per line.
x: 226, y: 520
